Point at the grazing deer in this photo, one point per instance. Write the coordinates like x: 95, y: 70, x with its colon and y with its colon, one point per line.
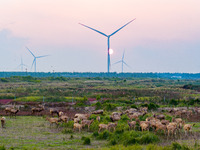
x: 35, y: 110
x: 3, y: 121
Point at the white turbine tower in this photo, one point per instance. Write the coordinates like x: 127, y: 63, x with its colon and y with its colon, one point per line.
x: 22, y: 65
x: 35, y: 58
x: 123, y: 62
x: 108, y: 36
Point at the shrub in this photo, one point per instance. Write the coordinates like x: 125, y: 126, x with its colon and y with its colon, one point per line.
x: 113, y: 142
x: 70, y: 124
x: 176, y: 146
x: 152, y: 106
x: 109, y: 106
x: 124, y: 118
x: 71, y: 137
x: 95, y: 134
x: 173, y: 102
x: 94, y: 126
x: 148, y: 138
x: 167, y: 117
x: 66, y: 131
x: 86, y: 140
x: 104, y: 135
x: 133, y: 106
x: 4, y: 80
x: 2, y: 147
x: 98, y: 105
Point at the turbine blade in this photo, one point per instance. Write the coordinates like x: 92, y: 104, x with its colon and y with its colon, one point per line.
x: 117, y: 62
x: 126, y: 64
x: 42, y: 56
x: 30, y: 52
x: 122, y: 27
x: 123, y: 55
x: 94, y: 29
x: 32, y: 64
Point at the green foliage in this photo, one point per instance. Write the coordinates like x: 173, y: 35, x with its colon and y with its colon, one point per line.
x: 86, y: 140
x: 104, y: 135
x: 124, y: 118
x: 98, y: 105
x: 152, y: 106
x: 4, y: 80
x: 98, y: 97
x: 67, y: 131
x: 95, y: 134
x: 133, y: 106
x: 173, y: 102
x: 168, y: 117
x: 94, y: 126
x: 69, y: 124
x: 71, y: 136
x: 2, y: 147
x: 109, y: 106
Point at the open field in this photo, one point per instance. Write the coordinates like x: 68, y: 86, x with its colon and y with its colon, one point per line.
x: 146, y: 98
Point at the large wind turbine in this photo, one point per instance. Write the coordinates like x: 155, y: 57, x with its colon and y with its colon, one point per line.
x: 35, y: 58
x: 122, y: 61
x: 108, y: 36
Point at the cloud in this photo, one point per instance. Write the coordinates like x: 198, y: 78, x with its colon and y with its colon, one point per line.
x: 11, y: 48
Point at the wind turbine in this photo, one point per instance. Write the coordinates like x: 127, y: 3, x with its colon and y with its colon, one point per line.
x: 122, y: 61
x: 35, y: 58
x: 108, y: 36
x: 22, y: 65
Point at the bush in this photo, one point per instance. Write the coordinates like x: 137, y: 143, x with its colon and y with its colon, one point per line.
x: 173, y: 102
x: 124, y: 118
x: 109, y: 106
x: 86, y: 140
x: 70, y: 124
x: 66, y: 131
x: 4, y: 80
x: 148, y: 138
x: 2, y: 147
x: 113, y: 142
x: 104, y: 135
x: 152, y: 106
x: 98, y: 105
x: 95, y: 134
x: 133, y: 106
x: 177, y: 146
x: 94, y: 126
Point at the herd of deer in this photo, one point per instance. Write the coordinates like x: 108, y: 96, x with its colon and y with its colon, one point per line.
x: 155, y: 122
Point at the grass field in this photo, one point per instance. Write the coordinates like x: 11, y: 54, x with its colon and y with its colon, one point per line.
x: 28, y: 132
x: 31, y: 132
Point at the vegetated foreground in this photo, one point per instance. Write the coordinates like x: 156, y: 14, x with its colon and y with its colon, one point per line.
x: 32, y: 132
x: 112, y: 113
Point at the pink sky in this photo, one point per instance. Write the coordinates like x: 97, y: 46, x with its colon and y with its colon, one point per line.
x: 51, y: 27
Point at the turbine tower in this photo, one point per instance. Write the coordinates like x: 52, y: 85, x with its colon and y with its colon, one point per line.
x: 35, y: 58
x: 22, y: 65
x: 108, y: 36
x: 122, y: 61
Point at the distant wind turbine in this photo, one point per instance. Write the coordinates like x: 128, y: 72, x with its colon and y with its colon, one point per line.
x: 22, y: 65
x: 122, y: 61
x: 35, y: 58
x: 108, y: 36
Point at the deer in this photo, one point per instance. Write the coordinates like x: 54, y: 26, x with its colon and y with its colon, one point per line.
x: 103, y: 126
x: 35, y: 110
x: 87, y: 122
x: 3, y: 121
x: 13, y: 112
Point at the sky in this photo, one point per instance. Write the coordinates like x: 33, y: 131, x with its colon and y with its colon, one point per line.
x: 165, y: 37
